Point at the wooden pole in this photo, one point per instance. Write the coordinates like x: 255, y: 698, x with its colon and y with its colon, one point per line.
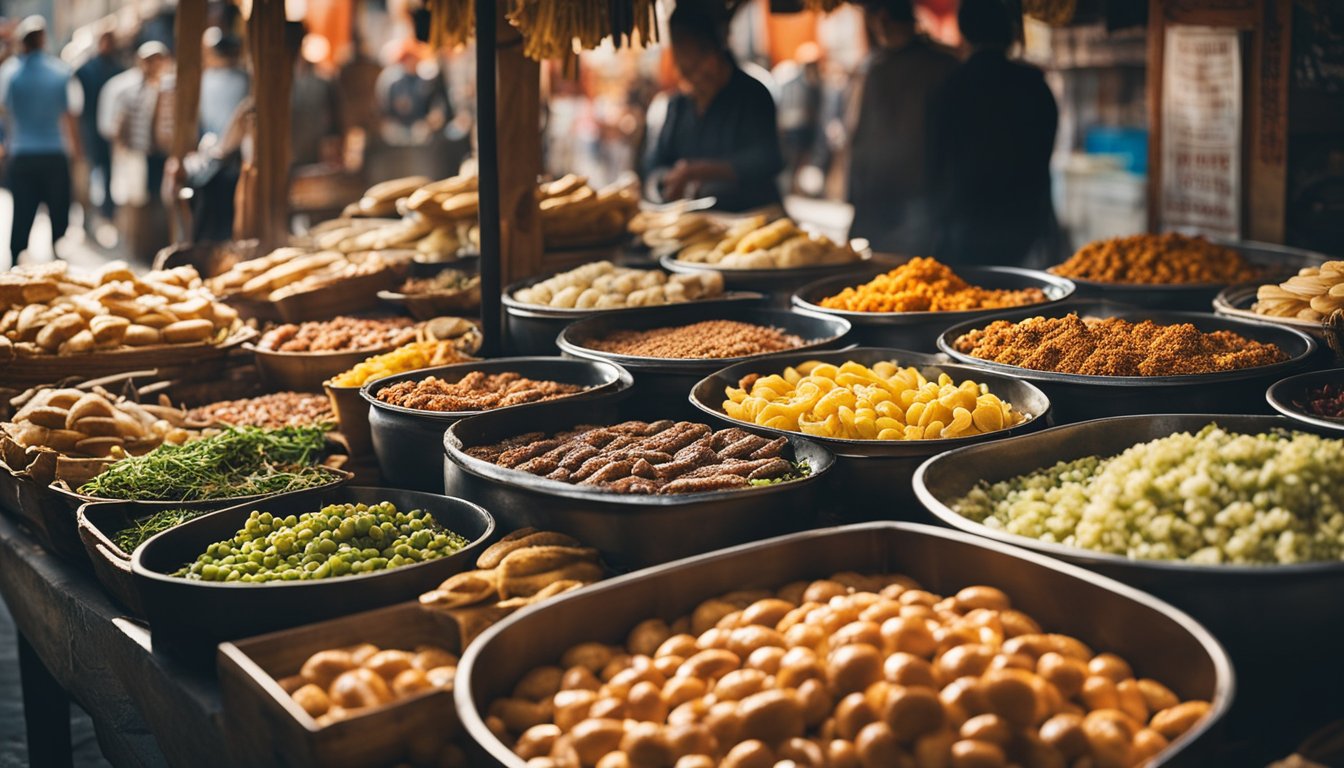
x: 1267, y: 180
x: 189, y: 28
x: 273, y: 76
x: 487, y: 168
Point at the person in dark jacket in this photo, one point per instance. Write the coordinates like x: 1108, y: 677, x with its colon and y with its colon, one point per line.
x: 720, y: 137
x: 92, y: 76
x: 991, y: 134
x: 887, y: 184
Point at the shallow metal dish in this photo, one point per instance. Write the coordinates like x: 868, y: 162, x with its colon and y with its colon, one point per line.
x: 306, y: 371
x: 1237, y: 300
x: 918, y: 331
x: 532, y: 329
x: 1159, y: 640
x: 1251, y: 609
x: 1077, y: 397
x: 1196, y: 297
x: 779, y: 284
x: 191, y: 617
x: 1284, y: 394
x: 631, y: 530
x: 409, y: 442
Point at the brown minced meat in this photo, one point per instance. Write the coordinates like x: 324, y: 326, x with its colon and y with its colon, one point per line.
x: 342, y: 334
x: 278, y: 409
x: 708, y: 339
x: 477, y: 391
x: 645, y: 457
x: 1115, y: 347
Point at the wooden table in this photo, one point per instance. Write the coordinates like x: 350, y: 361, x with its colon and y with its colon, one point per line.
x: 76, y: 644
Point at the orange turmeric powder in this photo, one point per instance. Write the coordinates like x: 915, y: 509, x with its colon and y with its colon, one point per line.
x: 926, y: 285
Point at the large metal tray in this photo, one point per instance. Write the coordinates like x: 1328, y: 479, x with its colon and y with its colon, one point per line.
x: 189, y: 618
x: 1078, y: 398
x: 630, y: 530
x: 1196, y: 297
x: 409, y: 442
x: 1158, y: 640
x: 778, y: 284
x: 918, y: 331
x: 1254, y: 610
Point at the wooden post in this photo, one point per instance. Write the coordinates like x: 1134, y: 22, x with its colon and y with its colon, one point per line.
x: 489, y: 213
x: 190, y: 26
x: 273, y: 77
x: 519, y: 135
x: 1157, y: 35
x: 1267, y: 177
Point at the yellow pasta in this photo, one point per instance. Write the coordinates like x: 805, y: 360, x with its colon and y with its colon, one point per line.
x: 854, y: 401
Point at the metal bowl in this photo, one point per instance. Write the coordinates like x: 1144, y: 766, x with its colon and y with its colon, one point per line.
x: 666, y: 380
x: 191, y: 617
x: 305, y: 371
x: 1283, y: 396
x: 409, y: 442
x: 1251, y: 609
x: 1077, y: 397
x: 1158, y: 640
x: 631, y: 530
x: 1236, y: 301
x: 918, y: 331
x: 1196, y: 297
x: 877, y: 468
x: 778, y: 284
x: 532, y: 329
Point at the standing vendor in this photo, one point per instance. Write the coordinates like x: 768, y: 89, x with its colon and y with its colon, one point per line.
x: 720, y: 136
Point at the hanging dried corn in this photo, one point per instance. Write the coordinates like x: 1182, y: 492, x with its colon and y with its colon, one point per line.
x: 1056, y: 13
x: 452, y: 22
x: 557, y: 29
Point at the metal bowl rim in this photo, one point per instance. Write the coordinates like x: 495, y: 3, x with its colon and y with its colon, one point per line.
x: 139, y: 569
x: 836, y: 443
x: 1225, y: 684
x: 950, y: 517
x: 1050, y: 281
x: 1225, y: 305
x: 1101, y: 308
x: 669, y: 261
x: 515, y: 307
x: 1279, y: 403
x: 679, y: 363
x: 322, y: 355
x: 619, y: 376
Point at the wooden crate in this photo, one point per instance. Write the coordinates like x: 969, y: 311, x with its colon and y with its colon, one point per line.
x: 269, y: 729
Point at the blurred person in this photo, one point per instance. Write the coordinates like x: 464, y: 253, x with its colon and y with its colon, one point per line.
x: 316, y: 131
x: 720, y: 136
x: 992, y: 132
x: 888, y: 186
x: 132, y: 114
x: 224, y: 81
x: 799, y: 107
x: 39, y: 95
x: 93, y: 76
x: 412, y: 105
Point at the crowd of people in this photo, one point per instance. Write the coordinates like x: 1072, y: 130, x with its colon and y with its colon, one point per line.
x: 941, y: 151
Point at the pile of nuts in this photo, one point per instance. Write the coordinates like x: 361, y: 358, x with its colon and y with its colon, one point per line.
x: 278, y: 409
x: 844, y: 672
x: 340, y: 334
x: 337, y: 683
x: 705, y: 340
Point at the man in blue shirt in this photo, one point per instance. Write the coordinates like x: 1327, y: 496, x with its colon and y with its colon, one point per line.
x: 36, y: 94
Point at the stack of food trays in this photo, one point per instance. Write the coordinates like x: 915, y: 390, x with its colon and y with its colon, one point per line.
x: 1237, y: 358
x: 409, y: 412
x: 216, y: 578
x: 1193, y: 508
x: 1175, y: 272
x: 538, y: 309
x: 642, y: 493
x: 1112, y: 634
x: 908, y: 306
x: 877, y: 467
x: 754, y: 253
x: 669, y: 349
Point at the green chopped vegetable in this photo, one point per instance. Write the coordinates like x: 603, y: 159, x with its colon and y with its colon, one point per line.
x: 240, y: 461
x: 801, y: 469
x: 140, y: 531
x: 339, y: 540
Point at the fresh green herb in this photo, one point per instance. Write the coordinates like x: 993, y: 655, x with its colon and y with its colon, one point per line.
x: 140, y: 531
x: 240, y: 461
x: 800, y: 470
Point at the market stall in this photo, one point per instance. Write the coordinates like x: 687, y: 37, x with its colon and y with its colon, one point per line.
x: 451, y: 480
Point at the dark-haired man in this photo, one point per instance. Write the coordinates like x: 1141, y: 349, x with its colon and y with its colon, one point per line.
x: 887, y: 183
x: 990, y: 142
x: 720, y: 137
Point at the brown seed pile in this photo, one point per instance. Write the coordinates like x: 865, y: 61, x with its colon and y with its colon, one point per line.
x: 477, y: 391
x: 278, y: 409
x: 646, y: 457
x: 1167, y: 259
x: 708, y: 339
x: 340, y: 334
x: 1115, y: 347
